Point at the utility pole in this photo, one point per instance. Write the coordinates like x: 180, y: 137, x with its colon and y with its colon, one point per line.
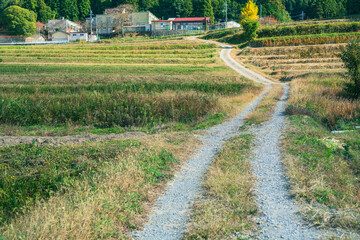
x: 302, y: 15
x: 91, y: 22
x: 260, y: 11
x: 226, y: 13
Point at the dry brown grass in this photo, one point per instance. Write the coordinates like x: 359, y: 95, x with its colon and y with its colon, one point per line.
x: 321, y: 98
x: 227, y: 205
x: 105, y: 206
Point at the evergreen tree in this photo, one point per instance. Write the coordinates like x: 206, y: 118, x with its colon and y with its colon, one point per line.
x: 208, y: 10
x: 30, y: 5
x: 70, y: 10
x: 44, y: 12
x: 84, y: 8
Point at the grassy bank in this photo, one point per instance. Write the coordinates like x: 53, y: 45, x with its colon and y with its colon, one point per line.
x: 324, y: 167
x: 227, y: 205
x: 92, y: 191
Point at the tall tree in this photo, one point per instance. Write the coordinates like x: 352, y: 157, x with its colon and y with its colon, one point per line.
x: 208, y: 10
x: 44, y: 12
x: 70, y: 10
x: 84, y: 8
x: 250, y: 11
x: 19, y: 21
x: 30, y: 5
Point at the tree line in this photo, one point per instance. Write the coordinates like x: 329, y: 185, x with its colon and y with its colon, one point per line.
x: 281, y: 9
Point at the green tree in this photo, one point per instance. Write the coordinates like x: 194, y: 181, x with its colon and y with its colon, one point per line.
x: 351, y: 57
x: 70, y: 10
x: 250, y: 27
x: 19, y: 21
x: 84, y: 8
x: 208, y: 10
x: 44, y: 12
x: 30, y: 5
x: 182, y: 8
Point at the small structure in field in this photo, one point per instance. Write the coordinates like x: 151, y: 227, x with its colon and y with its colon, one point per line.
x: 35, y: 38
x: 60, y: 36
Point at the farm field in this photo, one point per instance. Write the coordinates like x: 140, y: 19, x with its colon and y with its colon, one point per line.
x: 169, y: 89
x: 133, y: 85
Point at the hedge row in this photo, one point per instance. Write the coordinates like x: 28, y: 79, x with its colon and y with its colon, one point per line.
x: 305, y: 40
x: 309, y: 29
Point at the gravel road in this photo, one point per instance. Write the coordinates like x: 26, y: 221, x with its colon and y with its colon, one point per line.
x: 171, y: 213
x: 279, y: 218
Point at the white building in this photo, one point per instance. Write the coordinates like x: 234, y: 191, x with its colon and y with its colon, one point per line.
x: 74, y: 36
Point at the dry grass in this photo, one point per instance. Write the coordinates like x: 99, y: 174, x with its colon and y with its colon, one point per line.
x: 320, y: 97
x: 106, y: 205
x: 266, y: 107
x: 227, y: 206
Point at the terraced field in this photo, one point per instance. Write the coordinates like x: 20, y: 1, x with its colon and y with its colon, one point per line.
x: 107, y: 85
x: 284, y: 62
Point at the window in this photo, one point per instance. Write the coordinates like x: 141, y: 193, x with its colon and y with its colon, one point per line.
x: 74, y: 35
x: 162, y: 25
x: 81, y: 35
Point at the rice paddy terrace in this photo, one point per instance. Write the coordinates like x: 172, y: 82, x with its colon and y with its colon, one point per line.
x: 110, y: 84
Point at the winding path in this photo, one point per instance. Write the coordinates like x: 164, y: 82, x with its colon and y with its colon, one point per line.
x: 279, y: 218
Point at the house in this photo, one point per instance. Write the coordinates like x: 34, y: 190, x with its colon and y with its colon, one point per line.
x: 62, y: 25
x: 34, y: 38
x: 60, y: 36
x: 112, y: 20
x: 191, y: 23
x: 160, y: 25
x: 78, y: 36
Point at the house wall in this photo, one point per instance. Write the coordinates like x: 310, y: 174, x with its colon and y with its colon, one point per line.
x: 62, y: 25
x: 60, y: 36
x: 156, y: 26
x: 76, y: 36
x: 189, y: 26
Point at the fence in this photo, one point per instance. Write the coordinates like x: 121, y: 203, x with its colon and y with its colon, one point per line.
x: 160, y: 33
x: 35, y: 43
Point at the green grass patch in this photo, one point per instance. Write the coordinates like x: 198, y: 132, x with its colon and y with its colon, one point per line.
x: 228, y: 205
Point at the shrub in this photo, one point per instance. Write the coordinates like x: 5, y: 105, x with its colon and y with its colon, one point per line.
x: 309, y: 29
x: 250, y: 27
x: 351, y: 57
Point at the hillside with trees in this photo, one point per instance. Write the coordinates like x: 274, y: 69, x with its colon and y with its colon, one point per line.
x: 281, y: 9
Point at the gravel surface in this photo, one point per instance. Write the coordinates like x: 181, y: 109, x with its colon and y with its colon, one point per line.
x: 170, y: 215
x: 65, y: 140
x: 279, y: 218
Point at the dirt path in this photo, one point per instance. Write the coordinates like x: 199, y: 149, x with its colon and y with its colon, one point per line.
x: 170, y: 215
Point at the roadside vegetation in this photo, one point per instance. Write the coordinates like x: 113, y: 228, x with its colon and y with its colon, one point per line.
x: 227, y: 206
x: 95, y: 190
